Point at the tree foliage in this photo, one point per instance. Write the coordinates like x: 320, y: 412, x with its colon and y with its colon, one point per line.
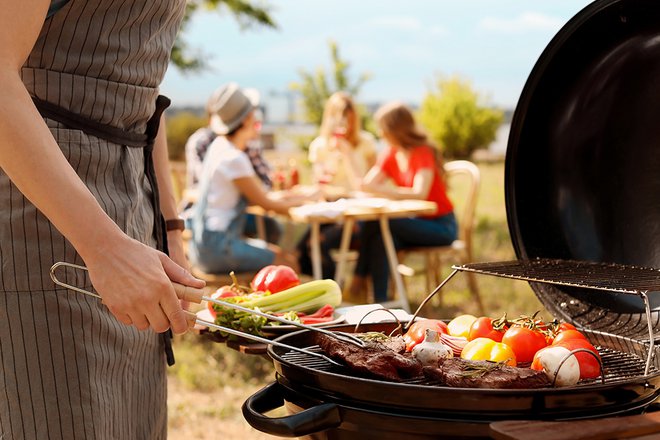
x: 315, y: 87
x: 247, y: 13
x: 179, y: 129
x: 457, y: 119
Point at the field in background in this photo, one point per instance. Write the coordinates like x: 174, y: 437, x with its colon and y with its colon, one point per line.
x: 210, y: 382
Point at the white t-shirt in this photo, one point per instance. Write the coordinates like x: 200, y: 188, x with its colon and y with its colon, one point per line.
x: 321, y: 153
x: 226, y: 163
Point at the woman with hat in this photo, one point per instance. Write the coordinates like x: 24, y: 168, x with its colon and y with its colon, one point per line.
x: 228, y: 183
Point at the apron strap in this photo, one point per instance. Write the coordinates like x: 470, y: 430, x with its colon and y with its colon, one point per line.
x: 130, y: 139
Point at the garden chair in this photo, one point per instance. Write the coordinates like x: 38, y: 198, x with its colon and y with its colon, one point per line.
x: 460, y: 251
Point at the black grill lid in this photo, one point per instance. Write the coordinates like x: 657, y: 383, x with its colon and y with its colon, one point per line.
x: 582, y: 175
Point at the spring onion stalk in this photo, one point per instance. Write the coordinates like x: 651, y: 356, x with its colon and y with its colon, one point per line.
x: 304, y: 298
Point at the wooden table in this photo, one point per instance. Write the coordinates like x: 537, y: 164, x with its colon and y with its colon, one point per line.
x: 637, y: 427
x: 353, y: 210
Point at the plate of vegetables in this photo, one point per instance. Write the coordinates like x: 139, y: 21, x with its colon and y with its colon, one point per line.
x: 275, y: 290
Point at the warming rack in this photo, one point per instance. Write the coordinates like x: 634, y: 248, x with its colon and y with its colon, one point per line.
x: 611, y: 277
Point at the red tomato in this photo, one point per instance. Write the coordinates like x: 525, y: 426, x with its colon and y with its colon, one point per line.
x: 417, y: 331
x: 524, y: 342
x: 223, y: 292
x: 566, y: 335
x: 483, y: 328
x: 566, y: 326
x: 589, y: 366
x: 275, y: 279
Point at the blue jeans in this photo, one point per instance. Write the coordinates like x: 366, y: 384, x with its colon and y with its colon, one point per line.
x: 272, y: 226
x: 223, y: 252
x: 406, y: 232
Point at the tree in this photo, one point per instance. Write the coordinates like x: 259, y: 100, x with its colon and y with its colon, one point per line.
x: 456, y: 118
x: 244, y: 11
x: 179, y: 129
x: 315, y: 87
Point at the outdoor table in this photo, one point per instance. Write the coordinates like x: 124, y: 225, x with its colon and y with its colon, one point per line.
x: 348, y: 211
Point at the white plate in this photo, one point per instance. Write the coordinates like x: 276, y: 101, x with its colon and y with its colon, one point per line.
x: 283, y: 328
x: 354, y: 314
x: 338, y: 318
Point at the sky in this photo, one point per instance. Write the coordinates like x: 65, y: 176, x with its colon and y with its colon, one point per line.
x: 404, y: 45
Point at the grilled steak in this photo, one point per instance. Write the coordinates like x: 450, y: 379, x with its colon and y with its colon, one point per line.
x: 375, y: 359
x: 457, y: 372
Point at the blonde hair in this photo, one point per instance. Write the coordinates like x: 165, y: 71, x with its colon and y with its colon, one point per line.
x: 340, y: 108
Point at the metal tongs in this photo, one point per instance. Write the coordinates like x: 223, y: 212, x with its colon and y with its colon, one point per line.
x: 195, y: 295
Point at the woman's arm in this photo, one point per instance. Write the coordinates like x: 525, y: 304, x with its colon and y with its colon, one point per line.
x: 131, y: 277
x: 251, y: 188
x: 375, y: 183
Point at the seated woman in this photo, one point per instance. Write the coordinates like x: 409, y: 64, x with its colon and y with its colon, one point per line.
x: 341, y: 155
x: 227, y: 184
x: 198, y: 144
x: 414, y: 166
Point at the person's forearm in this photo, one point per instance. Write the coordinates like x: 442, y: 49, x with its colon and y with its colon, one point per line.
x: 163, y: 174
x: 35, y: 164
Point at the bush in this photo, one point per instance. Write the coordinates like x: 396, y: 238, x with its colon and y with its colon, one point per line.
x: 179, y: 129
x: 456, y: 120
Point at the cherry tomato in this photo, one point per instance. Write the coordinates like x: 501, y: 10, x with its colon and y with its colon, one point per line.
x: 483, y: 328
x: 566, y: 335
x: 275, y: 279
x: 417, y: 330
x: 524, y: 342
x: 566, y: 326
x: 589, y: 366
x: 223, y: 292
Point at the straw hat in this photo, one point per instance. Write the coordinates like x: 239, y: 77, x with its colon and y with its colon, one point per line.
x: 229, y: 105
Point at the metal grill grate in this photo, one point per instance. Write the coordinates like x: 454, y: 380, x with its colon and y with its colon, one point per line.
x: 618, y: 366
x: 602, y: 276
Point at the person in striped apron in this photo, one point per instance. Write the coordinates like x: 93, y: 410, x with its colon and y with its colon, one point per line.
x: 80, y: 153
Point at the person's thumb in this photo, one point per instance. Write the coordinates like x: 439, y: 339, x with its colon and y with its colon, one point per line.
x: 179, y: 274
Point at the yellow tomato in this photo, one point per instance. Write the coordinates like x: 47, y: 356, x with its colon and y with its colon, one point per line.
x: 485, y: 349
x: 460, y: 326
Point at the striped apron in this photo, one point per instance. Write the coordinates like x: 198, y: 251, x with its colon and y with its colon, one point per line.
x: 68, y: 369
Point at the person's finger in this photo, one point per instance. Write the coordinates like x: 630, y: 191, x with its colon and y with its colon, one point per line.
x: 171, y: 308
x: 158, y: 320
x: 179, y: 274
x: 139, y: 321
x: 124, y: 319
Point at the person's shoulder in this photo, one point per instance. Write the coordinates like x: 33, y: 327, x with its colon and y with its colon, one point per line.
x: 318, y: 142
x: 201, y: 135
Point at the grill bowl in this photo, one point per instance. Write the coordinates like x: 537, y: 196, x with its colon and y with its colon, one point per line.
x: 625, y: 385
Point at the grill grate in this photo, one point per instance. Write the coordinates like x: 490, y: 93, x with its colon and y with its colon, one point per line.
x: 618, y: 366
x: 601, y: 276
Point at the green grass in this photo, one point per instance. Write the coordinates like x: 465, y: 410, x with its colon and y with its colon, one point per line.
x: 206, y: 365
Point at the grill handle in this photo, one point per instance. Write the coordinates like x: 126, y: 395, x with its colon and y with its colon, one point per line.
x: 309, y: 421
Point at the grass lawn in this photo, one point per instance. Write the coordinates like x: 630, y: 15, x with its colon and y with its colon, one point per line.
x: 210, y: 382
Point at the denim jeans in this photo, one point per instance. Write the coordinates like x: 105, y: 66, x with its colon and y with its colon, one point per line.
x: 406, y: 232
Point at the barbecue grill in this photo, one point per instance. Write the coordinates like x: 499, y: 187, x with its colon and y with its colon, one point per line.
x: 582, y: 189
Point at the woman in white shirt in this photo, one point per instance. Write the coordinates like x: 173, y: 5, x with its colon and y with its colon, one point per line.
x: 341, y: 155
x: 228, y: 183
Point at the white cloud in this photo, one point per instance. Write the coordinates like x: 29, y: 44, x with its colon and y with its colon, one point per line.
x: 525, y: 22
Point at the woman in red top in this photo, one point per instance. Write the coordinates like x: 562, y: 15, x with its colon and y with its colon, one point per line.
x: 414, y: 166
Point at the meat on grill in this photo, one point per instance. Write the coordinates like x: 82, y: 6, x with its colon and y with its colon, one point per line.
x: 375, y: 359
x: 457, y: 372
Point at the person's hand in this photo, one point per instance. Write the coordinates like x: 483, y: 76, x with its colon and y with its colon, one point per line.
x: 135, y: 283
x: 178, y: 255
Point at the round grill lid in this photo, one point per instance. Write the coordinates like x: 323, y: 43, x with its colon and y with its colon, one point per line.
x: 582, y: 175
